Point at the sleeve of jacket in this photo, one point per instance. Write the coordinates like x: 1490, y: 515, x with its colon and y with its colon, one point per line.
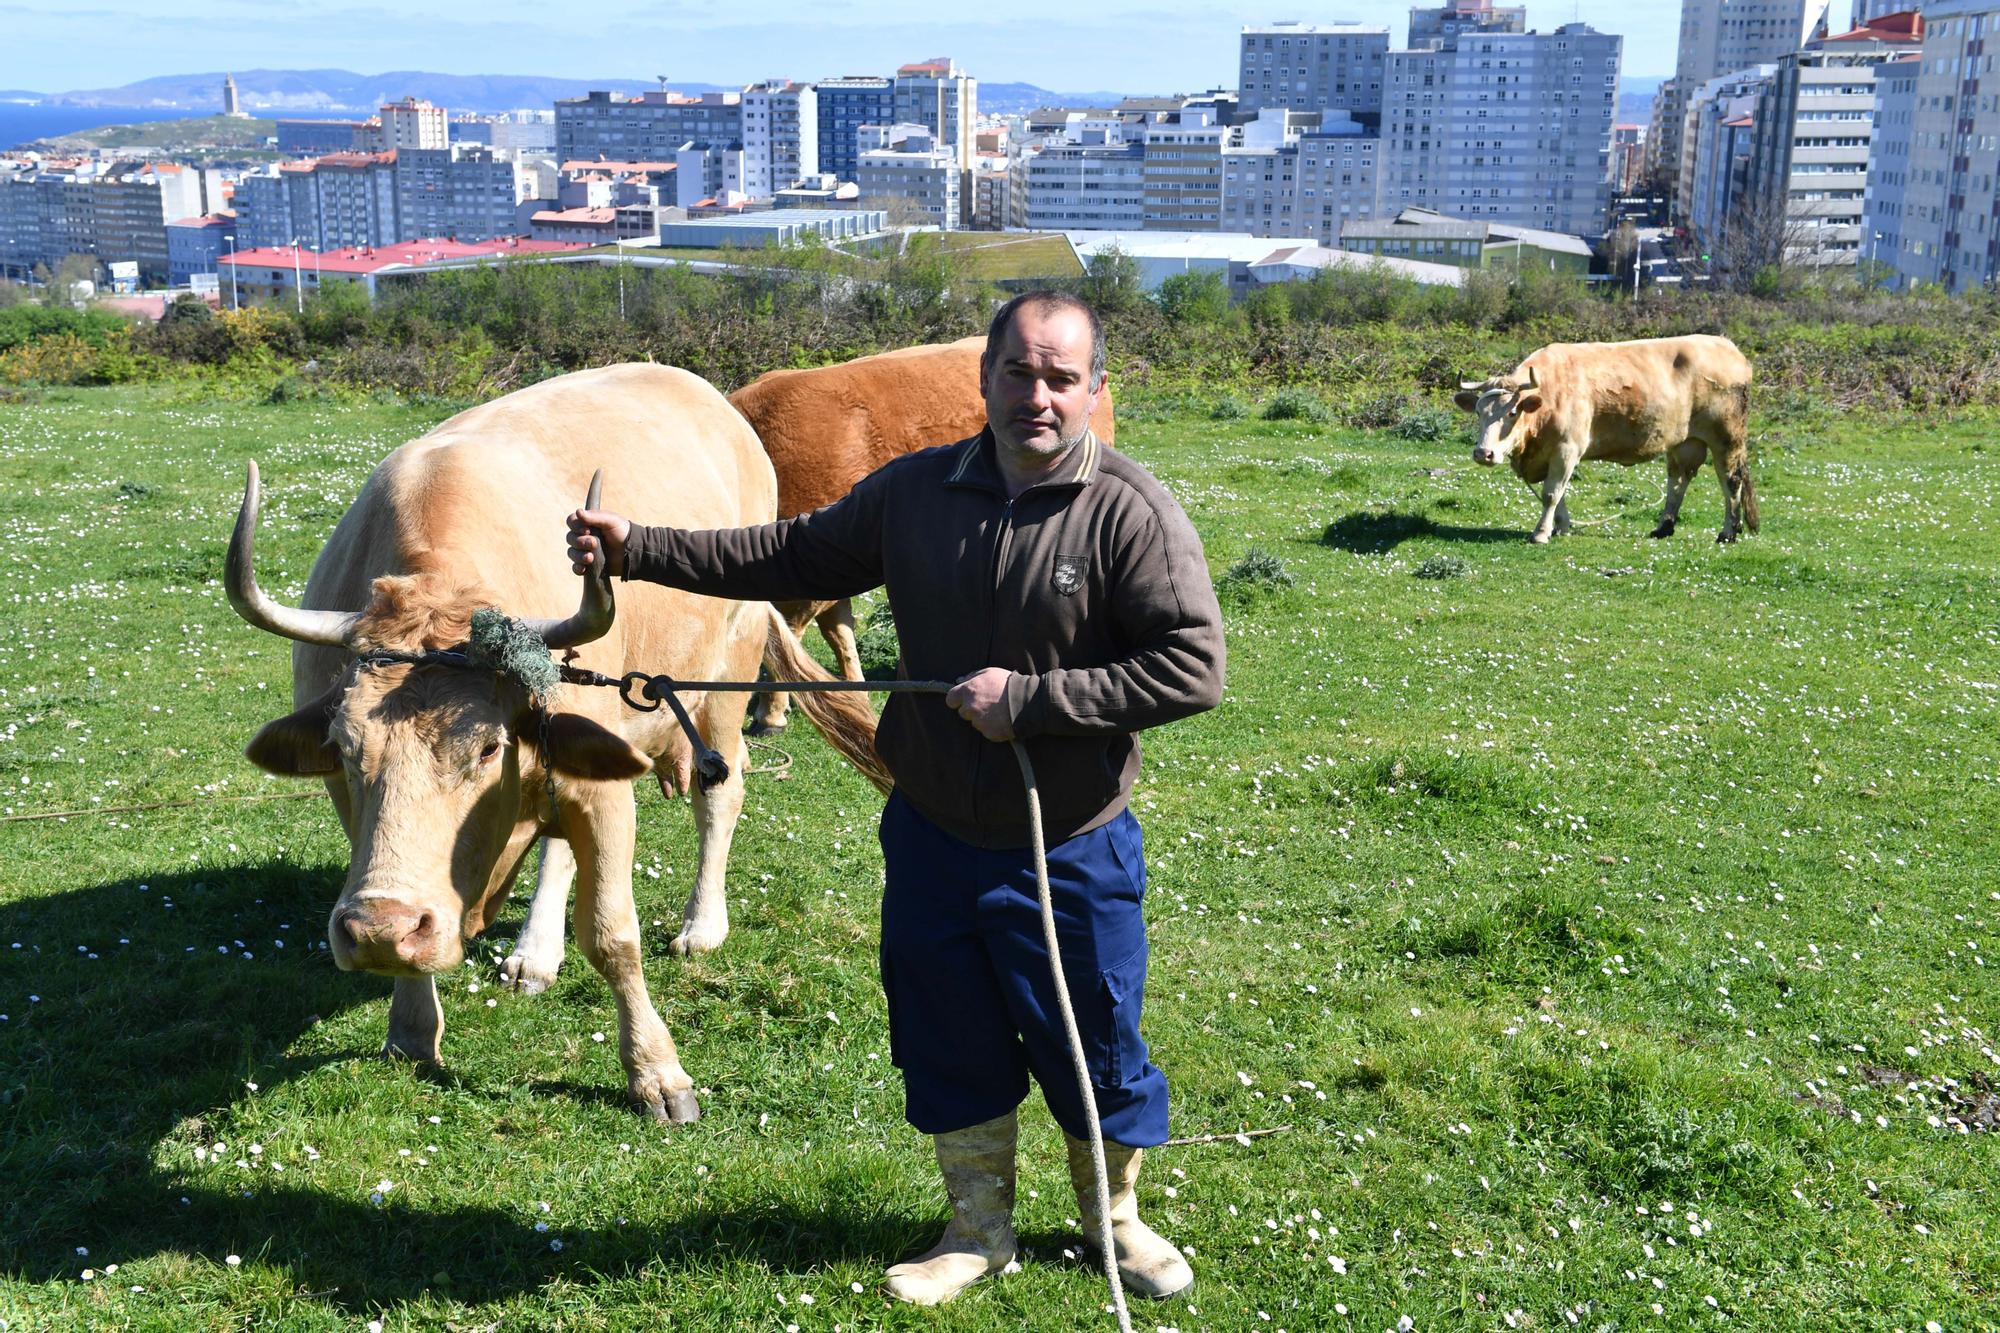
x: 830, y: 553
x: 1164, y: 606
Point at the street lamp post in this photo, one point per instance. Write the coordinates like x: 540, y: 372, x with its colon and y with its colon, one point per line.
x: 230, y: 241
x: 298, y: 277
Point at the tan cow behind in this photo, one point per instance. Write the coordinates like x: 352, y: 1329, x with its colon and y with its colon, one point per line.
x: 828, y: 428
x: 1630, y: 402
x: 444, y: 775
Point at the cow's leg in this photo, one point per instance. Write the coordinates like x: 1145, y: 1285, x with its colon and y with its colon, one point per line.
x: 705, y: 921
x: 1683, y: 461
x: 1561, y: 468
x: 836, y: 626
x: 773, y: 706
x: 601, y: 830
x: 1562, y: 517
x: 416, y: 1020
x: 1731, y: 476
x: 537, y: 957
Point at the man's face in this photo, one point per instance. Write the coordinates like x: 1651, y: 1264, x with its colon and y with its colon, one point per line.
x: 1037, y: 383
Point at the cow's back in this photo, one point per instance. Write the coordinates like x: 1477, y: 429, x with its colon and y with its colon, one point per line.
x: 1635, y: 400
x: 825, y: 429
x: 482, y: 500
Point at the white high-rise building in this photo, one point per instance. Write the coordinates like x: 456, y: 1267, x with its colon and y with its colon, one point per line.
x: 1312, y: 66
x: 944, y: 99
x: 1949, y: 229
x: 1720, y: 37
x: 414, y: 123
x: 1495, y: 125
x: 780, y: 136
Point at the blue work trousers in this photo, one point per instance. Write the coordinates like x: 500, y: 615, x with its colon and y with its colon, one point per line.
x: 972, y: 1007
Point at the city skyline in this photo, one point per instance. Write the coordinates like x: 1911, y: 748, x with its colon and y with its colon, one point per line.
x: 1161, y: 48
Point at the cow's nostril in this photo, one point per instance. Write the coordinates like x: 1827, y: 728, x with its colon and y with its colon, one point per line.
x: 417, y: 940
x: 352, y: 925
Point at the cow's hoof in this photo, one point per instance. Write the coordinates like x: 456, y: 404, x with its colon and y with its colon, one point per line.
x: 675, y: 1106
x: 761, y: 727
x: 1665, y: 529
x: 698, y: 937
x: 1724, y: 538
x: 525, y: 976
x: 1539, y: 538
x: 412, y: 1047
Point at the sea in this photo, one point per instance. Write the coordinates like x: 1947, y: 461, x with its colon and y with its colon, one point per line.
x: 22, y: 122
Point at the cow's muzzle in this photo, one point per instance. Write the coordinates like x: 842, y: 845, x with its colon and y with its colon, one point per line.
x: 391, y: 938
x: 1485, y: 457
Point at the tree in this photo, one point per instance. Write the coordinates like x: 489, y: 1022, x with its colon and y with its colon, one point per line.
x: 1620, y: 252
x: 1198, y: 296
x: 1763, y: 248
x: 1111, y: 282
x: 66, y: 284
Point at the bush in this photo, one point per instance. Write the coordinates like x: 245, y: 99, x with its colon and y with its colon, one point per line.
x: 1443, y: 567
x: 1295, y: 405
x: 1199, y: 297
x: 877, y: 645
x: 1425, y: 422
x: 1229, y: 408
x: 1258, y: 571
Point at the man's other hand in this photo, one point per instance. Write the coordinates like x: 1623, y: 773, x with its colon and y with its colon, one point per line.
x: 595, y: 534
x: 981, y: 699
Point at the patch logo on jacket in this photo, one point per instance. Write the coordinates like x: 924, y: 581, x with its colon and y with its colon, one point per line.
x: 1070, y: 570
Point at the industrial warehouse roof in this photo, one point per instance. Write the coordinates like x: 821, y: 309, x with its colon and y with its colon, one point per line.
x: 406, y: 254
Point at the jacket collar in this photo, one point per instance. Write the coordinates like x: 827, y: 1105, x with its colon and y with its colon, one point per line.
x: 978, y: 468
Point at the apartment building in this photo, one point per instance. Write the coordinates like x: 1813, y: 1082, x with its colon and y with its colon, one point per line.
x: 710, y: 172
x: 1948, y: 232
x: 116, y: 211
x: 944, y: 99
x: 412, y: 123
x: 195, y: 244
x: 1087, y: 186
x: 1811, y: 142
x: 1889, y: 160
x: 845, y: 105
x: 463, y: 193
x: 780, y: 136
x: 1504, y: 126
x: 650, y: 127
x: 1183, y: 178
x: 1719, y: 37
x: 1713, y: 190
x: 1312, y: 67
x: 914, y: 179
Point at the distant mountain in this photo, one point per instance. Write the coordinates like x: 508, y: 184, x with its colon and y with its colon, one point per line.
x: 20, y: 95
x: 320, y: 91
x: 1005, y: 98
x: 1635, y: 99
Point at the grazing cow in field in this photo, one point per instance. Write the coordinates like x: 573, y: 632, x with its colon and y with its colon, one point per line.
x: 444, y: 775
x: 826, y: 429
x: 1687, y: 398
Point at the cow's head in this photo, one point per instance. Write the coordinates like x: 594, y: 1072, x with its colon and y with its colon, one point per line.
x: 1507, y: 406
x: 446, y: 767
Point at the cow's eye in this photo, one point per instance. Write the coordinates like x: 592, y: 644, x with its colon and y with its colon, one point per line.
x: 490, y: 753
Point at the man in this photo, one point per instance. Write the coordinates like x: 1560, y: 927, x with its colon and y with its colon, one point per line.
x: 1063, y: 590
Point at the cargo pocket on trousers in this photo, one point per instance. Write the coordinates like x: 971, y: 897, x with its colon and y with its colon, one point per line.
x: 1120, y: 1051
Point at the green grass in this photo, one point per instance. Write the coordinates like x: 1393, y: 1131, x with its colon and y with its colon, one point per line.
x: 1595, y: 878
x: 1005, y: 256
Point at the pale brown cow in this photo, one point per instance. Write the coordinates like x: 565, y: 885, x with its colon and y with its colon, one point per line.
x: 828, y: 428
x: 444, y: 775
x: 1630, y: 402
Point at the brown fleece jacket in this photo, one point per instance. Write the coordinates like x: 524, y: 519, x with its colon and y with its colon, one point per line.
x: 1090, y: 587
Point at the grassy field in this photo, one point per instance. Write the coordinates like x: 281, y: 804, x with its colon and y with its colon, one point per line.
x: 1607, y: 922
x: 1004, y: 256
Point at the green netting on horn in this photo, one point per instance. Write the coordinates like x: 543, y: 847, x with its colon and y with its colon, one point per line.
x: 501, y: 643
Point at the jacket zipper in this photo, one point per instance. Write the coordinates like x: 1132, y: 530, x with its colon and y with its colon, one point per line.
x: 1002, y: 541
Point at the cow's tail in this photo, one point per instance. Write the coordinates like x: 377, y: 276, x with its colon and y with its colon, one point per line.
x: 843, y: 717
x: 1749, y: 495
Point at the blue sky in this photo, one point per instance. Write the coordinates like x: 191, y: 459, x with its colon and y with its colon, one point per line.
x: 47, y: 46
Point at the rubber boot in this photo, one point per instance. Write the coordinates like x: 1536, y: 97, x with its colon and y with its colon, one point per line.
x: 978, y: 1169
x: 1147, y: 1262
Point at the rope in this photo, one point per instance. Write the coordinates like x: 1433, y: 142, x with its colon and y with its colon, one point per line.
x: 658, y: 687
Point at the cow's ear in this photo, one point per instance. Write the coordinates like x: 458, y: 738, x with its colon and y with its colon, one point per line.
x: 1467, y: 400
x: 296, y: 745
x: 1528, y: 402
x: 583, y: 749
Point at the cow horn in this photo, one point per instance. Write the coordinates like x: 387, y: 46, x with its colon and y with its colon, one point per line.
x: 1531, y: 377
x: 1468, y: 385
x: 594, y: 615
x: 331, y: 628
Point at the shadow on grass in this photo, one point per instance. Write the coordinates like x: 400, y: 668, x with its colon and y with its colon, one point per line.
x: 1374, y: 531
x: 150, y: 1030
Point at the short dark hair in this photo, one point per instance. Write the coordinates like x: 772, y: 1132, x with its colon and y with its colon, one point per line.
x: 1045, y: 300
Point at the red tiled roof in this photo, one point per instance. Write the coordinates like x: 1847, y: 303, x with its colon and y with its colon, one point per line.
x: 205, y: 220
x: 575, y: 215
x: 406, y: 254
x: 935, y: 65
x: 602, y: 164
x: 1904, y: 26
